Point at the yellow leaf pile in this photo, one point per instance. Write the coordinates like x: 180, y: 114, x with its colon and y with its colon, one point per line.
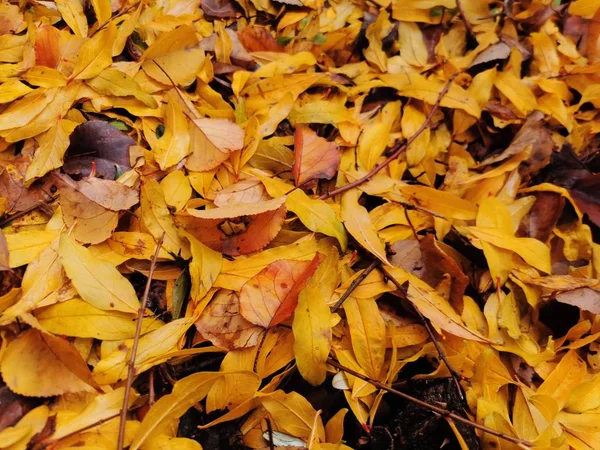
x: 337, y: 200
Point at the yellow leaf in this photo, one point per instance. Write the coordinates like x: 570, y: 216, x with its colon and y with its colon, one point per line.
x: 23, y: 247
x: 516, y: 91
x: 45, y: 77
x: 182, y: 66
x: 41, y: 365
x: 52, y: 113
x: 367, y: 333
x: 72, y: 13
x: 22, y: 111
x: 96, y: 54
x: 312, y: 318
x: 151, y: 351
x: 98, y: 282
x: 164, y: 442
x: 439, y: 202
x: 78, y: 318
x: 204, y: 268
x: 177, y: 189
x: 157, y: 218
x: 334, y: 429
x: 12, y: 90
x: 99, y: 407
x: 43, y: 276
x: 186, y: 393
x: 211, y: 142
x: 376, y: 135
x: 375, y: 33
x: 52, y: 146
x: 114, y: 82
x: 568, y: 375
x: 131, y: 244
x: 417, y: 86
x: 412, y: 45
x: 438, y: 310
x: 293, y: 414
x: 228, y: 392
x: 315, y: 214
x: 174, y: 144
x: 17, y: 437
x: 358, y: 223
x: 534, y: 252
x: 103, y: 10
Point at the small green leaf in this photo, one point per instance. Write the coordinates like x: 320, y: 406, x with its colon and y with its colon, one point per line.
x: 304, y: 22
x: 436, y: 11
x: 284, y: 40
x: 181, y: 291
x: 119, y: 125
x: 160, y: 130
x: 319, y: 38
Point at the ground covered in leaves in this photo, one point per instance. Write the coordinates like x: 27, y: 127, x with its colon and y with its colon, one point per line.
x: 351, y: 224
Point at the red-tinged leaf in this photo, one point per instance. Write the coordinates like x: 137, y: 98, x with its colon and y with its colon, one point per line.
x: 271, y: 296
x: 236, y: 230
x: 47, y: 49
x: 222, y: 324
x: 584, y: 298
x: 314, y: 157
x: 258, y: 39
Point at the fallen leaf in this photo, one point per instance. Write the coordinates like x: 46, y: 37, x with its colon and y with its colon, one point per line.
x: 271, y: 296
x: 98, y: 282
x: 235, y: 331
x: 235, y: 230
x: 314, y: 156
x: 53, y: 366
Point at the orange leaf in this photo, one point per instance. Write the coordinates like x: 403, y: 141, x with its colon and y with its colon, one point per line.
x: 315, y: 157
x: 222, y: 324
x: 258, y: 39
x: 271, y: 296
x: 236, y: 230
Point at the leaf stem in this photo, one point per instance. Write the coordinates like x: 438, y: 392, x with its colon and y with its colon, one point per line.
x: 435, y: 409
x: 397, y: 149
x: 134, y: 347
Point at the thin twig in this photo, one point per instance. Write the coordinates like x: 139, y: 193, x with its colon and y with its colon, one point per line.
x: 412, y: 227
x: 32, y: 208
x: 453, y: 373
x: 134, y: 346
x: 397, y: 149
x: 151, y: 392
x: 354, y: 285
x: 435, y: 409
x: 270, y: 431
x: 461, y: 13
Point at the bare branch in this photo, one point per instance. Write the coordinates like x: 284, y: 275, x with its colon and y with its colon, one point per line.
x: 354, y: 285
x: 397, y: 149
x: 136, y: 340
x: 435, y: 409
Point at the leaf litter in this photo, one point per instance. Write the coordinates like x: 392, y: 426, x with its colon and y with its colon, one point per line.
x: 299, y: 224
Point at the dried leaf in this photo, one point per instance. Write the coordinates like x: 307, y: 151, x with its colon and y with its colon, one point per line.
x: 314, y: 157
x: 271, y: 296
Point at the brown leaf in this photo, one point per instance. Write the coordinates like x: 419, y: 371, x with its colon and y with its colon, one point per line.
x: 586, y: 193
x: 236, y: 230
x: 543, y: 216
x: 533, y: 133
x: 498, y: 51
x: 12, y: 407
x: 584, y: 298
x: 17, y: 196
x: 258, y: 39
x: 98, y: 142
x: 92, y: 206
x: 271, y: 296
x: 218, y: 8
x: 4, y: 257
x: 222, y: 324
x: 314, y: 157
x: 438, y: 263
